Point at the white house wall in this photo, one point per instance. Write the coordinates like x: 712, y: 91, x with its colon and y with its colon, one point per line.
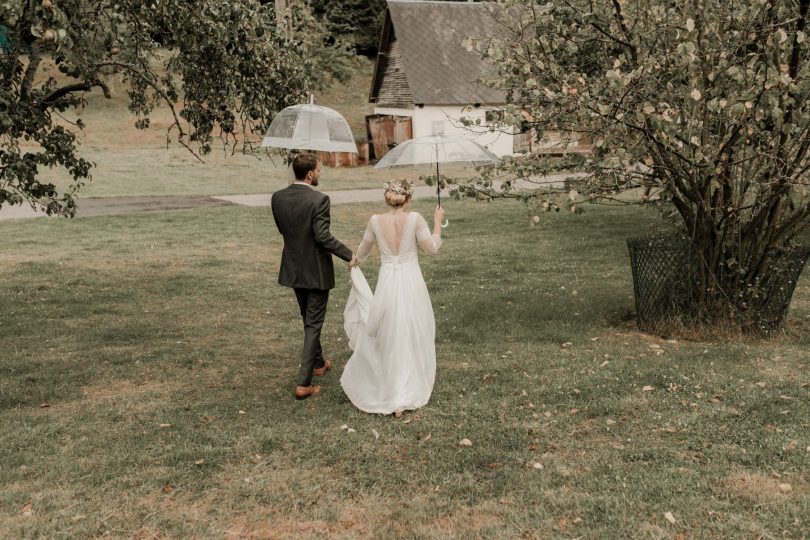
x: 448, y: 118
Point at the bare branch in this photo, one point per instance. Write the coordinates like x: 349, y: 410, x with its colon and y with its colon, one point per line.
x: 34, y: 60
x: 71, y: 88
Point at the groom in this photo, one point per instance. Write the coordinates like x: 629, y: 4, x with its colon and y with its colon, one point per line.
x: 302, y: 217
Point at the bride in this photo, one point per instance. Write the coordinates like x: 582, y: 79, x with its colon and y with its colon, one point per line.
x: 392, y: 331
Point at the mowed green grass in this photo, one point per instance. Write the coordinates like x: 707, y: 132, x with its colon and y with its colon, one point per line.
x: 147, y: 366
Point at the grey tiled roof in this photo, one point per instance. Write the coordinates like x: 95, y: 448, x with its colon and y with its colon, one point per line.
x: 440, y: 70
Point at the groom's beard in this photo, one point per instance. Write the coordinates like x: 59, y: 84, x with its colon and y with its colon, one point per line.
x: 314, y: 182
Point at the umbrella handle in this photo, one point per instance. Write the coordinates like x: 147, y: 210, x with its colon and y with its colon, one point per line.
x: 445, y: 224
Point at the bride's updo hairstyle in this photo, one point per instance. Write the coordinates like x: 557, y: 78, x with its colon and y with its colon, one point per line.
x: 398, y: 192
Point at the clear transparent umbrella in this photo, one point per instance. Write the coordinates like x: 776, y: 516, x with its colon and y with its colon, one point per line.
x: 310, y: 127
x: 436, y: 149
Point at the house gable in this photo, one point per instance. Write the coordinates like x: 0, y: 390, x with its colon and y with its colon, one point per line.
x: 392, y: 89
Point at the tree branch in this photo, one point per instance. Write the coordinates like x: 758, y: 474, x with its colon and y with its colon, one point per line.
x: 151, y: 83
x: 30, y: 72
x: 617, y: 7
x: 76, y: 87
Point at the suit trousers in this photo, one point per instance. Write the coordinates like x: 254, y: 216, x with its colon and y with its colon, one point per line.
x: 312, y: 303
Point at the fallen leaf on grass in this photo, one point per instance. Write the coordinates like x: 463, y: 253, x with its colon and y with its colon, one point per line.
x: 167, y: 488
x: 427, y: 437
x: 465, y: 442
x: 376, y: 434
x: 45, y: 405
x: 791, y: 445
x: 344, y: 427
x: 199, y: 462
x: 164, y: 426
x: 537, y: 466
x: 669, y: 517
x: 27, y: 510
x: 785, y: 488
x: 496, y: 465
x: 648, y: 388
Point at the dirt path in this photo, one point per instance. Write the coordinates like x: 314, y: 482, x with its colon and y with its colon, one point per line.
x: 123, y: 205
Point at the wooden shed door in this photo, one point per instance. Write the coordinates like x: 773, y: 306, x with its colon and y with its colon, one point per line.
x: 385, y: 132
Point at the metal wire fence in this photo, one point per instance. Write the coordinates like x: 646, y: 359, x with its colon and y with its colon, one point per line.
x: 667, y: 285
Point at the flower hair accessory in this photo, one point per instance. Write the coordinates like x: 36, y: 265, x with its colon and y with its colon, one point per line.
x: 402, y: 186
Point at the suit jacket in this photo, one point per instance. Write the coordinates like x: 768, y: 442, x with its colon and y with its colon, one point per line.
x: 302, y: 218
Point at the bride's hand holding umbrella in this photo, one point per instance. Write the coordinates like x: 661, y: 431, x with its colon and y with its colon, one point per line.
x: 438, y: 217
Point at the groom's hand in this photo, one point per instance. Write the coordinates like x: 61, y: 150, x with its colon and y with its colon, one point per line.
x: 354, y: 262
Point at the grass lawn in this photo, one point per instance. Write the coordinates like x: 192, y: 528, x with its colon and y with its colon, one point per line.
x: 131, y: 162
x: 147, y: 368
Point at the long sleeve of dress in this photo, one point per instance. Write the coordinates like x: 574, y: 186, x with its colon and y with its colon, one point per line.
x: 427, y: 241
x: 366, y: 244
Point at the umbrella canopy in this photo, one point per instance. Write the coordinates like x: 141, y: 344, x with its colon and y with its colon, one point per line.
x: 436, y: 149
x: 310, y: 127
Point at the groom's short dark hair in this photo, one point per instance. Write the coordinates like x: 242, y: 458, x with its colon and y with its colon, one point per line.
x: 303, y: 163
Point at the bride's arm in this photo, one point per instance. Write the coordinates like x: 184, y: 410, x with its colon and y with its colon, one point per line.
x: 366, y: 244
x: 429, y: 242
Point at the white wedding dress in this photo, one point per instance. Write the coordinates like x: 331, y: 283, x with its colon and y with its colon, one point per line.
x: 391, y: 332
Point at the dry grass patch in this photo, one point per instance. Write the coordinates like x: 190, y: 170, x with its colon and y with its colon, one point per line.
x: 763, y: 489
x: 465, y: 521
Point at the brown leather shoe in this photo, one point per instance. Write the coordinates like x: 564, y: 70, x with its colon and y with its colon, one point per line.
x: 303, y: 392
x: 321, y: 371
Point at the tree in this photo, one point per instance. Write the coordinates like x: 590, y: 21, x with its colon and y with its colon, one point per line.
x: 699, y: 106
x: 222, y: 70
x: 358, y: 21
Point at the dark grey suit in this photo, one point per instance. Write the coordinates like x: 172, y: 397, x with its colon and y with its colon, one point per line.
x: 302, y: 217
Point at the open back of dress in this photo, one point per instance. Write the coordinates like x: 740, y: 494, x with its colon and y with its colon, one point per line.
x: 391, y: 332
